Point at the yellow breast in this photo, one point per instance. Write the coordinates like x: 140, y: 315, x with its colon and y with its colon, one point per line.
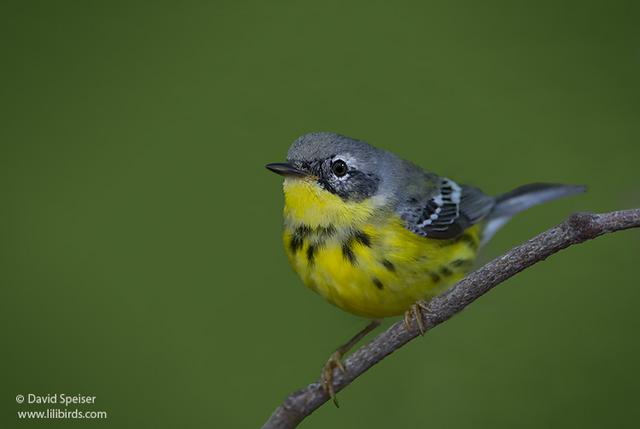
x: 363, y: 259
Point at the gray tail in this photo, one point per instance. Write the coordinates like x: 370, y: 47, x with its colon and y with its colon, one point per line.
x: 522, y: 198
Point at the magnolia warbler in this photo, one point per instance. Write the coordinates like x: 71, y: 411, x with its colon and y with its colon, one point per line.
x: 377, y: 235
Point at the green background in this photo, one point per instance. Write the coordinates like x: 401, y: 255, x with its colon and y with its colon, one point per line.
x: 140, y: 254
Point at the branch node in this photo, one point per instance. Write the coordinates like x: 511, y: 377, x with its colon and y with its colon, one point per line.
x: 585, y: 224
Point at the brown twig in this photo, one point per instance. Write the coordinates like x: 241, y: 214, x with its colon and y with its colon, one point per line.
x: 576, y: 229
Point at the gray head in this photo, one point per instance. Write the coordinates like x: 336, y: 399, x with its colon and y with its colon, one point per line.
x: 343, y: 166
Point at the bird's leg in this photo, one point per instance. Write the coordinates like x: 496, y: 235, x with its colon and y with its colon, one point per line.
x: 335, y: 360
x: 415, y: 313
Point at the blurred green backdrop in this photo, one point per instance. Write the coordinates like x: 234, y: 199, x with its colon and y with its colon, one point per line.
x: 140, y: 254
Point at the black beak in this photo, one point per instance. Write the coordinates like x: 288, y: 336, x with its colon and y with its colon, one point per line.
x: 285, y: 169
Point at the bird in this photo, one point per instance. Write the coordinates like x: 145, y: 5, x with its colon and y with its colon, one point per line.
x: 378, y: 236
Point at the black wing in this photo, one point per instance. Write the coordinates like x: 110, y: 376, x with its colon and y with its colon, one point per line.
x: 451, y: 210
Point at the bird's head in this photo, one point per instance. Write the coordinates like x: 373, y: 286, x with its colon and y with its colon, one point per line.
x: 344, y: 167
x: 332, y: 179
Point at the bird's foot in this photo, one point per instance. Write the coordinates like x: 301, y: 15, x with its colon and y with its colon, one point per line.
x: 415, y: 313
x: 334, y: 361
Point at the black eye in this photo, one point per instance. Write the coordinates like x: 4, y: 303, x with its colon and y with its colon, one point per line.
x: 339, y: 168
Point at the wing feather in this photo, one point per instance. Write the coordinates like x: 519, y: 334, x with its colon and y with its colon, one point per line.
x: 450, y: 210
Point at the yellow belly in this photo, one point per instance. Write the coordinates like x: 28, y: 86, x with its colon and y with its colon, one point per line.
x: 377, y: 269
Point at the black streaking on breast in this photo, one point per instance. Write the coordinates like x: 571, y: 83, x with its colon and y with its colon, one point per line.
x: 326, y: 231
x: 446, y: 272
x: 461, y: 263
x: 296, y: 243
x: 347, y: 252
x: 362, y: 238
x: 389, y: 265
x: 347, y: 246
x: 376, y: 281
x: 298, y: 236
x: 311, y: 253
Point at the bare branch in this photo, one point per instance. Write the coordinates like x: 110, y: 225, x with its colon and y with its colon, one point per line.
x: 576, y: 229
